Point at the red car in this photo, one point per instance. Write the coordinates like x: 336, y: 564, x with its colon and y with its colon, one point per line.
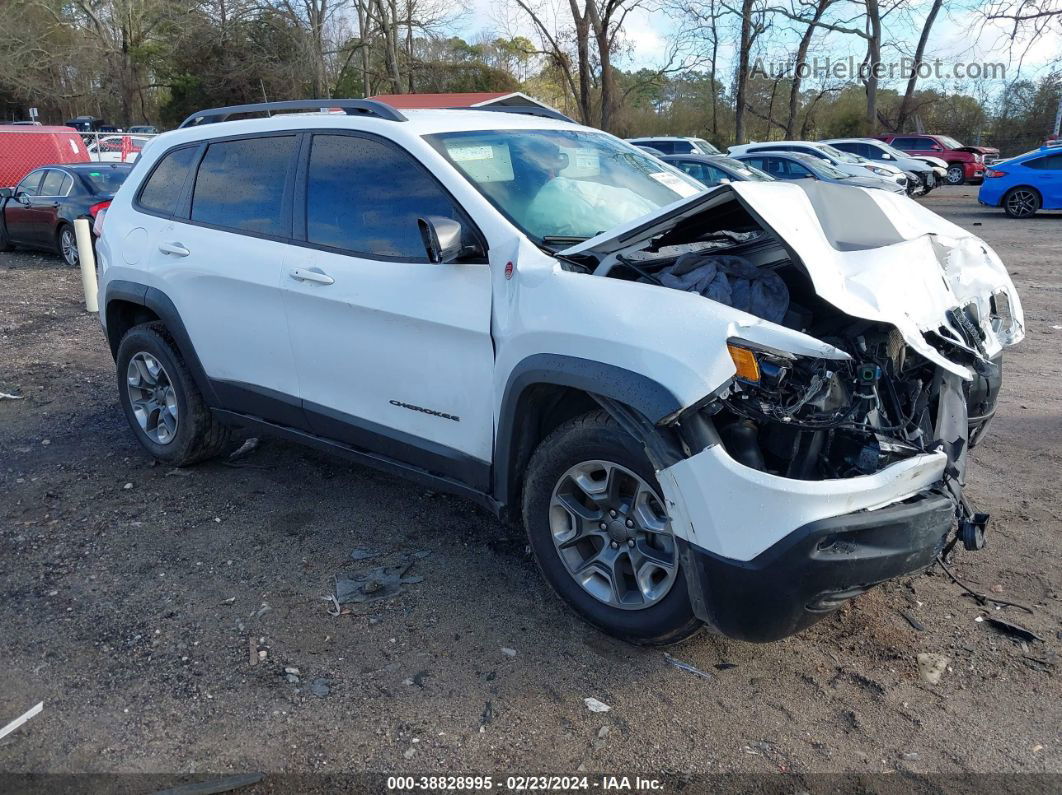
x: 965, y: 163
x: 24, y: 148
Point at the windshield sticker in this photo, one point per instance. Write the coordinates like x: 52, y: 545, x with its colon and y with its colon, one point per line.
x: 679, y: 186
x: 463, y: 154
x: 484, y: 162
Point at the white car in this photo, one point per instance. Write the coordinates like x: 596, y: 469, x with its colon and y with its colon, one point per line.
x: 676, y: 145
x: 736, y: 408
x: 929, y: 174
x: 849, y: 164
x: 117, y: 148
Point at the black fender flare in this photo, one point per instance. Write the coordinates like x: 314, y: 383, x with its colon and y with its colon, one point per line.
x: 641, y: 393
x: 158, y: 302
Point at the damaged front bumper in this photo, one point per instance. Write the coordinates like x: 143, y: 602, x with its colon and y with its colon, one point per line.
x: 816, y: 568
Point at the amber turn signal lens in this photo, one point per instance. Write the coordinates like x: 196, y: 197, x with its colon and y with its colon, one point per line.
x: 748, y: 369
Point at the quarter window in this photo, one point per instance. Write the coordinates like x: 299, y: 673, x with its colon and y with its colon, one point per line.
x: 365, y: 196
x: 163, y: 187
x: 240, y: 184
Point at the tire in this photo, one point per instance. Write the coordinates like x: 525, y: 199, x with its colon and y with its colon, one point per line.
x: 657, y: 614
x: 174, y: 425
x: 1021, y: 202
x: 956, y: 174
x: 66, y: 244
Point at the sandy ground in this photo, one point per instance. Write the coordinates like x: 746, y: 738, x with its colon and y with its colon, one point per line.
x: 133, y: 597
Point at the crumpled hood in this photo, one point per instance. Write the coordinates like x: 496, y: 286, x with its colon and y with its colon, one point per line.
x: 870, y: 253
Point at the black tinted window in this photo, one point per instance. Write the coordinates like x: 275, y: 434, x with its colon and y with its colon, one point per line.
x: 240, y: 184
x: 30, y: 183
x: 667, y: 147
x: 365, y: 196
x: 1049, y: 163
x: 163, y: 187
x: 907, y: 143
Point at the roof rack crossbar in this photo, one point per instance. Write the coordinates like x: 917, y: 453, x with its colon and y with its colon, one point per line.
x: 527, y: 110
x: 352, y: 107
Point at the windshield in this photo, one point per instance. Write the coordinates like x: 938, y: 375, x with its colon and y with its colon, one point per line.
x: 744, y: 169
x: 822, y: 168
x: 106, y: 180
x: 705, y: 147
x: 563, y: 184
x: 837, y: 154
x: 951, y: 143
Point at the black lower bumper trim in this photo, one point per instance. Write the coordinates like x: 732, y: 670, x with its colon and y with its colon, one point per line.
x: 815, y: 569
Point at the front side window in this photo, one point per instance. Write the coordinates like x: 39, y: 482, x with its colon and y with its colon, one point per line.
x: 560, y: 185
x: 30, y: 184
x: 163, y: 188
x: 240, y: 184
x: 366, y: 197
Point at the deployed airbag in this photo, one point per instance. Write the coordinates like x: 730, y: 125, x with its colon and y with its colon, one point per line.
x: 730, y: 280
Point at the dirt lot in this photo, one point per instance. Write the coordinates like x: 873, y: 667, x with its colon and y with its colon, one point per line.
x: 133, y: 596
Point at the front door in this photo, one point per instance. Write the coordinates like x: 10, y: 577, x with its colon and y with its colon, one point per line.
x: 394, y: 353
x: 20, y: 213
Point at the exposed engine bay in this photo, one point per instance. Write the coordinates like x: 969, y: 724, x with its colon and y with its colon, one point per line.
x: 815, y: 418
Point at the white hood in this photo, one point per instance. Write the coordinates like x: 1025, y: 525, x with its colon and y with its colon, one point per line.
x: 870, y: 253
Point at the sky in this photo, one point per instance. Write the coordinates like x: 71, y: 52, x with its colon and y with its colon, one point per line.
x: 958, y: 36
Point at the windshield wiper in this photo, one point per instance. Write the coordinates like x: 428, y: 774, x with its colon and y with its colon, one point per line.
x: 563, y: 240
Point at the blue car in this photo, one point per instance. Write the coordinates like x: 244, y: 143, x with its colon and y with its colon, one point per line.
x: 1026, y: 183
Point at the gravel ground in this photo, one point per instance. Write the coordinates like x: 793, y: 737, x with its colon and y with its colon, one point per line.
x: 135, y: 598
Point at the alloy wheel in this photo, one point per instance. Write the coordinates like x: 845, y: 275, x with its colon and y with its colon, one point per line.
x: 152, y: 398
x: 1021, y: 203
x: 68, y: 245
x: 956, y: 175
x: 613, y: 534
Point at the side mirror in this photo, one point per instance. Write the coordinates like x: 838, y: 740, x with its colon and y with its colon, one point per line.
x: 886, y: 156
x: 6, y: 193
x: 442, y: 238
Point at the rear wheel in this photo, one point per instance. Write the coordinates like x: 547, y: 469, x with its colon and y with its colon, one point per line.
x: 1021, y: 202
x: 67, y: 243
x: 599, y: 530
x: 956, y: 174
x: 161, y: 401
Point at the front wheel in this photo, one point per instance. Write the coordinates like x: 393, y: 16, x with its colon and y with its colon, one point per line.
x: 600, y: 532
x: 1021, y: 202
x: 956, y: 174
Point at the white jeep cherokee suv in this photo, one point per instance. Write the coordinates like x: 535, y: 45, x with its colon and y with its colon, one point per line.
x: 737, y: 407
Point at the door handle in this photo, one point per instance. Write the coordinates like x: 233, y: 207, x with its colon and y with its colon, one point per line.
x: 311, y: 275
x: 174, y: 248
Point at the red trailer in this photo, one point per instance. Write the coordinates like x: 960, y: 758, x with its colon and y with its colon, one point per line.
x: 24, y: 148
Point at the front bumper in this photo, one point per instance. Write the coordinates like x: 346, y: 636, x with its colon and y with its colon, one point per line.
x: 814, y: 570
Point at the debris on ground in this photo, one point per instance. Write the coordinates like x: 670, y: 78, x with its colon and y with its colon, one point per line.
x: 320, y: 688
x: 381, y: 582
x: 914, y: 622
x: 21, y: 719
x: 932, y: 666
x: 684, y: 666
x: 248, y: 447
x: 724, y: 666
x: 594, y: 705
x: 1015, y: 630
x: 6, y: 396
x: 508, y: 652
x: 487, y: 716
x: 362, y: 554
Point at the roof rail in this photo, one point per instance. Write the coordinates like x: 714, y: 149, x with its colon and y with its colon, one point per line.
x: 352, y: 107
x: 526, y: 110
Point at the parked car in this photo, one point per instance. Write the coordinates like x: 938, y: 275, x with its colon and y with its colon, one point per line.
x: 86, y: 123
x: 926, y: 176
x: 123, y: 148
x: 964, y: 163
x: 1025, y: 184
x: 40, y: 212
x: 146, y: 129
x: 799, y: 166
x: 24, y: 148
x: 712, y: 170
x: 842, y: 161
x: 745, y: 441
x: 676, y: 145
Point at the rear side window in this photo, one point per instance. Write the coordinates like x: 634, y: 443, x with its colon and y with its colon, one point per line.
x: 53, y: 183
x: 667, y: 147
x: 1049, y: 163
x: 365, y: 197
x: 163, y: 188
x: 240, y: 184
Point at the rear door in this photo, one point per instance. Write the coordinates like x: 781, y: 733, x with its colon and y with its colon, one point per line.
x: 394, y: 353
x: 219, y: 256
